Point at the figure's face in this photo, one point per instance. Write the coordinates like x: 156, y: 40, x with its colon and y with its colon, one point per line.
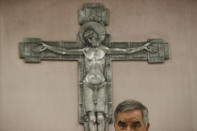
x: 92, y: 38
x: 130, y: 121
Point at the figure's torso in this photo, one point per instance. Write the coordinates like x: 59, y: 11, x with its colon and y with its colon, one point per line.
x: 94, y: 63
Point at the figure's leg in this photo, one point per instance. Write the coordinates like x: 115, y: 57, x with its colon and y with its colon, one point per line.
x: 88, y: 99
x: 101, y: 100
x: 100, y: 108
x: 92, y: 121
x: 90, y: 108
x: 101, y: 121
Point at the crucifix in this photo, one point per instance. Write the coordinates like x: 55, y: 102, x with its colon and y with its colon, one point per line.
x: 94, y: 53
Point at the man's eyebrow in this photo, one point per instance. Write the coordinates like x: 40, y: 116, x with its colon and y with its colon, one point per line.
x: 122, y: 123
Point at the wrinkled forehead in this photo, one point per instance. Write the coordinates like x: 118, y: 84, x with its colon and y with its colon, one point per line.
x: 130, y: 116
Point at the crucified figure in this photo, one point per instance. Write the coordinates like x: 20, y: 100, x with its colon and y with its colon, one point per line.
x: 94, y: 82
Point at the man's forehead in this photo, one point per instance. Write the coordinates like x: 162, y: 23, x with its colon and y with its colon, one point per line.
x: 132, y: 115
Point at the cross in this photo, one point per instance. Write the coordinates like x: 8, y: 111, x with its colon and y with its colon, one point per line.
x: 94, y: 53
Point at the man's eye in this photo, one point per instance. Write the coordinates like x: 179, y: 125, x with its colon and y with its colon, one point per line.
x: 136, y: 124
x: 122, y: 124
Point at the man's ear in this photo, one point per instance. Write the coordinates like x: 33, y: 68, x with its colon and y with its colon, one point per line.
x: 147, y: 127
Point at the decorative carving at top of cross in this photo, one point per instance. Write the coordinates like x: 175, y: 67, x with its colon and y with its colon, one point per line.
x: 94, y: 12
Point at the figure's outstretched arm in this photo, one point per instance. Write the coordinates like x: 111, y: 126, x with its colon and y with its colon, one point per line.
x: 134, y: 50
x: 58, y: 50
x: 130, y: 50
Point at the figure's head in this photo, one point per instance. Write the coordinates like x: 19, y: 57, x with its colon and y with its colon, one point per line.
x: 91, y: 37
x: 92, y: 34
x: 131, y: 115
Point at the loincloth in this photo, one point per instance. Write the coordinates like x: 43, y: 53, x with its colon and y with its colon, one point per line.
x: 95, y: 97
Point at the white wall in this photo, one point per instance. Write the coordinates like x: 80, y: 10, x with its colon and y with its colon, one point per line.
x: 43, y: 97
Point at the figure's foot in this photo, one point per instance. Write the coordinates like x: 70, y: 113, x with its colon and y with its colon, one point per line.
x: 101, y: 121
x: 92, y: 121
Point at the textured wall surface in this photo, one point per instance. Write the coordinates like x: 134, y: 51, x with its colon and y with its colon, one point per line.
x: 43, y: 97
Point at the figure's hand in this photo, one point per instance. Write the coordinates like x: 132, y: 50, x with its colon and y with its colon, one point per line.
x: 54, y: 49
x: 44, y: 47
x: 40, y: 48
x: 147, y: 44
x: 151, y: 49
x: 145, y: 47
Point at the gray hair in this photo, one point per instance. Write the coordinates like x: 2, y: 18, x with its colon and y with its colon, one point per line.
x: 129, y: 105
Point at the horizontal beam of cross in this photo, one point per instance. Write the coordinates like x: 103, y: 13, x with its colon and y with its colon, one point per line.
x: 28, y: 47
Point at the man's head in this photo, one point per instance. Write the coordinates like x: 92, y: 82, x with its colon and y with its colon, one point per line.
x: 131, y: 115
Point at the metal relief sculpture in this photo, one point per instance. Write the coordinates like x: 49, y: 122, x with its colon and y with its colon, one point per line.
x: 94, y: 52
